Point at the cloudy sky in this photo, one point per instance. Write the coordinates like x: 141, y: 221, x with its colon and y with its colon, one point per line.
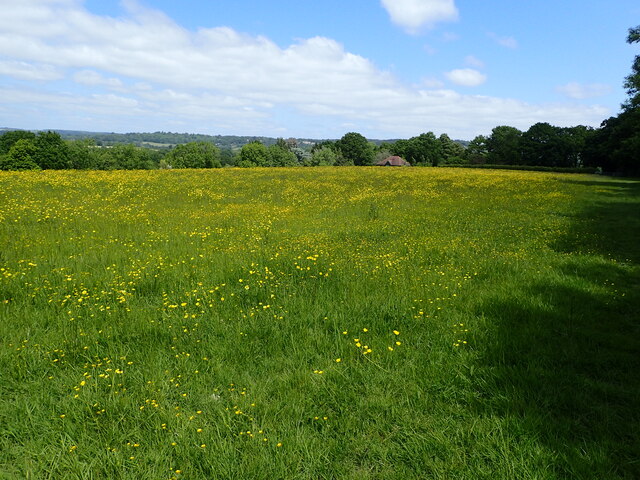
x: 312, y: 68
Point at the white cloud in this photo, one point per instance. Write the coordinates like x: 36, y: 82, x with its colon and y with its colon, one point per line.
x: 580, y: 91
x: 92, y: 78
x: 431, y: 82
x: 467, y: 77
x: 29, y: 71
x: 412, y: 15
x: 508, y: 42
x: 218, y: 80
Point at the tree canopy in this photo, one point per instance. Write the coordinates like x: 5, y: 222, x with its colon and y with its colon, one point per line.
x: 355, y: 149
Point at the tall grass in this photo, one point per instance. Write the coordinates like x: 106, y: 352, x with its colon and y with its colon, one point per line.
x: 319, y: 323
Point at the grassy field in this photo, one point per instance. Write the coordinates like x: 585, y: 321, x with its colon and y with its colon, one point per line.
x: 351, y: 323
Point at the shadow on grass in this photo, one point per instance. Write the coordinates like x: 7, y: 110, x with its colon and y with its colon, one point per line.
x: 562, y: 362
x: 610, y: 226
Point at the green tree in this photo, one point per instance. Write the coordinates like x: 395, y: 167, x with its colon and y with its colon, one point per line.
x: 577, y: 138
x: 543, y: 145
x: 452, y: 152
x: 476, y: 152
x: 125, y: 157
x: 227, y: 157
x: 632, y: 81
x: 9, y: 138
x: 194, y: 155
x: 504, y: 146
x: 283, y: 144
x: 20, y: 156
x: 425, y: 149
x: 382, y: 154
x: 254, y: 154
x: 82, y: 154
x: 324, y: 143
x: 52, y: 151
x: 355, y: 148
x: 615, y: 146
x: 324, y: 157
x: 281, y: 156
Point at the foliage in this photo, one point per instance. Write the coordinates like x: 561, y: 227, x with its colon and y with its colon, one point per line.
x: 632, y: 81
x: 324, y: 156
x: 52, y: 152
x: 476, y: 152
x: 194, y: 155
x: 281, y: 156
x: 9, y: 138
x: 503, y: 146
x: 125, y: 157
x: 425, y: 149
x: 20, y: 156
x: 254, y: 154
x: 355, y: 149
x: 615, y: 147
x: 450, y: 150
x: 82, y: 154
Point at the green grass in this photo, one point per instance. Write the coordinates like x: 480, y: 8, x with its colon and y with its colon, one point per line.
x: 188, y: 324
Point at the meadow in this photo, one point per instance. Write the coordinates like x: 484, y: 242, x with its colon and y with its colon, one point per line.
x: 320, y: 323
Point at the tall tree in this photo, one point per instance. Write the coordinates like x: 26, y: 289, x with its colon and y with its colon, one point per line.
x: 450, y: 149
x: 504, y: 146
x: 615, y: 147
x: 355, y: 148
x: 20, y: 156
x: 632, y: 81
x: 476, y: 151
x: 544, y: 145
x: 194, y: 155
x: 281, y: 156
x: 9, y: 138
x: 324, y: 157
x: 51, y: 151
x: 82, y: 153
x: 254, y: 154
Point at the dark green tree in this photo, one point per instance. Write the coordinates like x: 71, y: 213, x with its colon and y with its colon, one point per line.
x: 425, y: 149
x: 632, y: 81
x: 9, y: 138
x: 254, y: 154
x: 476, y: 152
x: 320, y: 145
x: 615, y: 146
x: 281, y: 156
x: 355, y: 148
x: 544, y: 145
x: 20, y: 156
x: 125, y: 157
x: 452, y: 152
x: 194, y: 155
x: 227, y: 157
x: 52, y: 152
x: 504, y: 146
x: 82, y: 154
x: 577, y: 138
x: 283, y: 144
x: 324, y: 157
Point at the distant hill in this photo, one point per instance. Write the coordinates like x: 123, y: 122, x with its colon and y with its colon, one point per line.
x: 161, y: 140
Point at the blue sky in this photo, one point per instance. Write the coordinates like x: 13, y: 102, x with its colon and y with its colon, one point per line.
x: 309, y: 68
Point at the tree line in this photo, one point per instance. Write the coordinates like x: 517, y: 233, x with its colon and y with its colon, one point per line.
x: 610, y: 148
x: 613, y: 148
